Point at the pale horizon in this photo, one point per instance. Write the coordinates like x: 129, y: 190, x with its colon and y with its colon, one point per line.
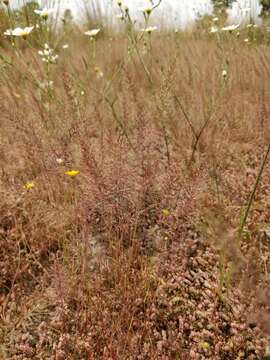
x: 180, y: 14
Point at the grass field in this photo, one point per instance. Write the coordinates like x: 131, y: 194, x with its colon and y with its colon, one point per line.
x: 135, y: 198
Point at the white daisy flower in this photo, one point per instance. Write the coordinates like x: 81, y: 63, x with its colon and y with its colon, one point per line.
x: 44, y: 13
x: 19, y: 31
x: 149, y: 29
x: 213, y: 30
x: 92, y: 33
x: 230, y: 27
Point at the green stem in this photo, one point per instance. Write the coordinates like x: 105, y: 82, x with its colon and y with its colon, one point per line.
x: 252, y: 196
x: 120, y: 123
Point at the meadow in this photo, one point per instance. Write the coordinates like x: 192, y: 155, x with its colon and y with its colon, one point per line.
x: 135, y: 198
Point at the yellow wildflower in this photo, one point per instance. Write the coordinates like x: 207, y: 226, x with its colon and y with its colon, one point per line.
x: 72, y: 173
x: 29, y: 185
x: 204, y: 345
x: 166, y: 212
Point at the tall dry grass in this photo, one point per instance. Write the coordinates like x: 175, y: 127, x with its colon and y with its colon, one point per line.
x: 138, y: 255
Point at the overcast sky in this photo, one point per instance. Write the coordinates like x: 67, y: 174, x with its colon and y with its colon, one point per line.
x: 177, y: 13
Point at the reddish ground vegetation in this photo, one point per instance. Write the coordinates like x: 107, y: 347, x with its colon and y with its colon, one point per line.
x: 137, y: 256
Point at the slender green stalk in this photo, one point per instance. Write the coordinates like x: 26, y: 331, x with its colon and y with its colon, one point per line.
x: 252, y: 196
x: 186, y: 117
x: 120, y: 123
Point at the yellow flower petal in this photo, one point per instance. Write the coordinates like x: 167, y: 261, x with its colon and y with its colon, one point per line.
x: 72, y: 173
